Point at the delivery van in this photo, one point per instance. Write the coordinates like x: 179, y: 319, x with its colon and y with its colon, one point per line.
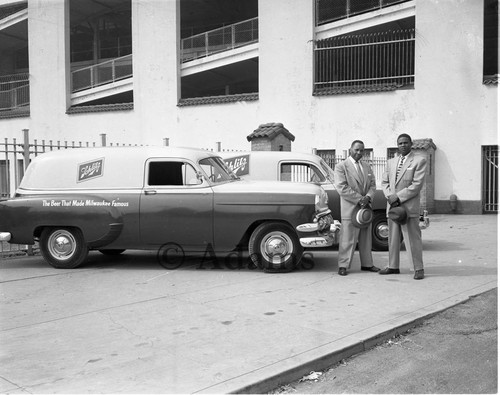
x: 116, y: 198
x: 308, y: 168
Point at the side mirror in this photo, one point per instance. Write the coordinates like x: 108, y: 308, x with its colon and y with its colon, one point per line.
x: 200, y: 177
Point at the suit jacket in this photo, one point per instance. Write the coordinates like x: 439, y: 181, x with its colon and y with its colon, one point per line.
x: 349, y: 186
x: 408, y: 184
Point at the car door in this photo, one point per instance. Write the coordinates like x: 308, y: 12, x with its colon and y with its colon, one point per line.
x: 176, y: 205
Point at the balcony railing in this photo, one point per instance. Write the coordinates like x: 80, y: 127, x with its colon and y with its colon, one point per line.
x: 218, y: 40
x: 14, y: 91
x: 102, y: 73
x: 349, y: 64
x: 333, y: 10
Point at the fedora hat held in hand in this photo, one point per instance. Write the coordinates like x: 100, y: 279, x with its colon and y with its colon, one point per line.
x: 362, y: 216
x: 398, y: 214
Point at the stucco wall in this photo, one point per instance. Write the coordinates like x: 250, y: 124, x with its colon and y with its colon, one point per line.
x: 454, y: 107
x: 449, y: 103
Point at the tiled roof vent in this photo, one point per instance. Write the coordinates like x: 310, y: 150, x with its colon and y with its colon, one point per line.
x: 271, y: 137
x: 270, y: 130
x: 424, y: 144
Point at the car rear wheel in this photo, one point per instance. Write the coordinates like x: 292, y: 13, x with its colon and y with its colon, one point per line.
x: 275, y: 248
x: 380, y: 232
x: 63, y: 248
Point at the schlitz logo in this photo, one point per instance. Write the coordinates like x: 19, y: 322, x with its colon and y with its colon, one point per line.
x: 89, y: 170
x: 239, y: 164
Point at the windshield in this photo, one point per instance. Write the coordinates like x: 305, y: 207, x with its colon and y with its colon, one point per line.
x: 330, y: 173
x: 216, y: 170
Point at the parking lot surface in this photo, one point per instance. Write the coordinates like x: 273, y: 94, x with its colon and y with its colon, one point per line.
x: 126, y: 324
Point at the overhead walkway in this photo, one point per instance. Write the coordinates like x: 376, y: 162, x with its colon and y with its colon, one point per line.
x: 14, y: 88
x: 371, y: 19
x: 101, y: 80
x: 220, y: 47
x: 209, y: 50
x: 10, y: 16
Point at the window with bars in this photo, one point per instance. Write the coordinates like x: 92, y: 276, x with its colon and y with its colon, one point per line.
x: 365, y: 62
x: 392, y: 152
x: 490, y: 49
x: 490, y: 179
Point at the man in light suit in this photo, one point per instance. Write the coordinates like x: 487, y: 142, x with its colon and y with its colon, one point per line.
x: 401, y: 183
x: 355, y: 183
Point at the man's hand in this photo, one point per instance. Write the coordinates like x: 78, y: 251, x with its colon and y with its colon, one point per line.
x: 392, y: 199
x: 364, y: 201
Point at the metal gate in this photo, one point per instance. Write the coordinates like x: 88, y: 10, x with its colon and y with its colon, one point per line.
x: 490, y: 179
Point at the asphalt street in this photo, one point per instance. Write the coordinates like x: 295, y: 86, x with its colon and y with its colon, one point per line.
x: 127, y: 324
x: 455, y: 351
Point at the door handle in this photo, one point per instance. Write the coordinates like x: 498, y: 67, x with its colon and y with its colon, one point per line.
x: 150, y: 192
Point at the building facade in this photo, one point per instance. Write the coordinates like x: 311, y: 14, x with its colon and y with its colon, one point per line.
x: 206, y: 73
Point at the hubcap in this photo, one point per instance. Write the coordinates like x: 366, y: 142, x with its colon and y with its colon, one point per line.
x: 276, y: 247
x: 383, y: 231
x: 62, y: 244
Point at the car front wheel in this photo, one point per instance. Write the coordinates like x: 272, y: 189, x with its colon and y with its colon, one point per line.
x: 275, y: 248
x: 63, y: 248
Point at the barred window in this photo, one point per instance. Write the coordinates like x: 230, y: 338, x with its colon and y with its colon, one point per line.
x: 365, y: 62
x: 490, y: 49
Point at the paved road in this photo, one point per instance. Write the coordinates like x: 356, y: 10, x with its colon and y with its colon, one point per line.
x: 128, y: 325
x: 455, y: 351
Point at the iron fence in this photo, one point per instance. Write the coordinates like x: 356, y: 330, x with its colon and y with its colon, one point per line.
x: 367, y: 60
x: 333, y: 10
x: 102, y: 73
x: 221, y: 39
x: 378, y: 164
x: 378, y: 167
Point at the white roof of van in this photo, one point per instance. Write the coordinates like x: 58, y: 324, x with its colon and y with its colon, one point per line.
x: 122, y: 167
x: 274, y: 155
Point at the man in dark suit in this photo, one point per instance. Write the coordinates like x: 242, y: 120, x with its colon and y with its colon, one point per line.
x: 401, y: 183
x: 355, y: 183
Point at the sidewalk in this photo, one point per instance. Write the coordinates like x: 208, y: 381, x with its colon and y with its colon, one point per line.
x: 129, y: 326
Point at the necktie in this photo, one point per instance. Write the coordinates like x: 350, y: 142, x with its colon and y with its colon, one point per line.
x: 401, y: 161
x: 360, y: 172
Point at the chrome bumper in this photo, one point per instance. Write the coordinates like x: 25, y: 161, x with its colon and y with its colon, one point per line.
x: 326, y: 232
x: 5, y: 236
x: 424, y: 220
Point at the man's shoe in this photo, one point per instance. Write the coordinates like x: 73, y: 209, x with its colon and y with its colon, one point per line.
x: 388, y: 270
x: 370, y: 269
x: 419, y: 274
x: 342, y: 271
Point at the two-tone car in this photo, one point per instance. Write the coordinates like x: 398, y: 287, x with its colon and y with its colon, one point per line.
x: 116, y: 198
x: 309, y: 168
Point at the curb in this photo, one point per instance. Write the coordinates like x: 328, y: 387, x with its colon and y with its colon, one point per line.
x: 287, y: 371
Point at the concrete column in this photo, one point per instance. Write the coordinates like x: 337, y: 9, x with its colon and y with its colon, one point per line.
x: 286, y: 30
x: 49, y: 60
x: 155, y: 48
